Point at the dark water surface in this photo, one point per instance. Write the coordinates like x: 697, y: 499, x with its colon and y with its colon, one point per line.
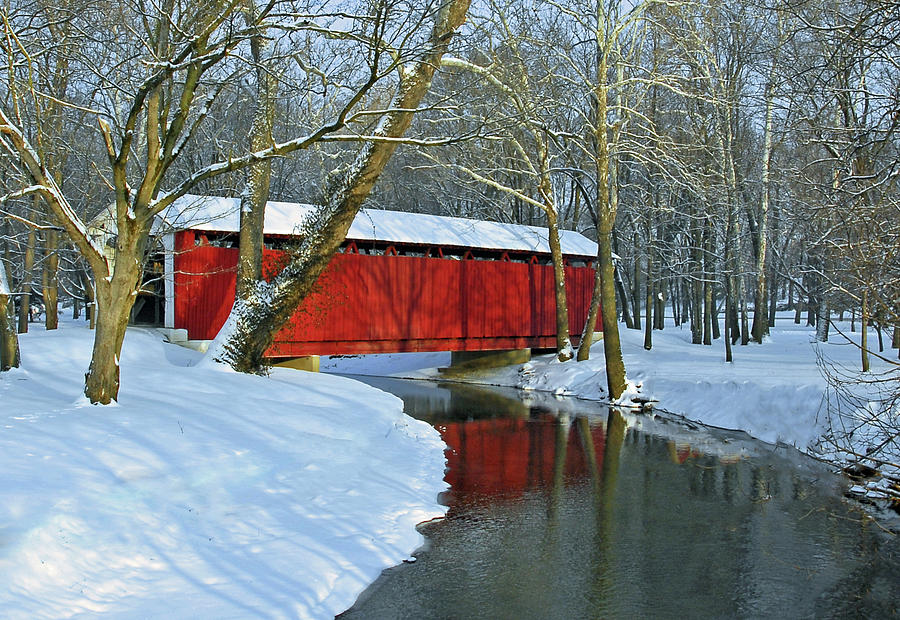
x: 563, y: 509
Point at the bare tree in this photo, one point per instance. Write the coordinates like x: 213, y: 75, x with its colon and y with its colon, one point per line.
x: 254, y: 321
x: 9, y: 341
x: 184, y: 52
x: 518, y: 162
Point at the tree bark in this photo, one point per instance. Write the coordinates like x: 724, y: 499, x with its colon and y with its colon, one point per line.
x: 9, y: 339
x: 745, y: 322
x: 114, y: 298
x: 676, y: 302
x: 564, y: 350
x: 659, y: 309
x: 729, y: 287
x: 612, y: 347
x: 760, y: 321
x: 590, y: 324
x: 773, y: 300
x: 25, y: 300
x: 607, y: 205
x: 620, y: 284
x: 636, y: 287
x: 50, y: 279
x: 823, y: 323
x: 707, y: 286
x: 90, y: 302
x: 623, y: 296
x: 259, y: 175
x: 864, y: 329
x: 696, y: 285
x: 648, y: 322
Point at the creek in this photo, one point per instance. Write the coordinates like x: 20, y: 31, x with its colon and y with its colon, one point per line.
x: 562, y: 508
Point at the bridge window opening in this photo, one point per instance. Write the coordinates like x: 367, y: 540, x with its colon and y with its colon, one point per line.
x: 384, y: 248
x: 222, y: 240
x: 149, y: 307
x: 281, y: 243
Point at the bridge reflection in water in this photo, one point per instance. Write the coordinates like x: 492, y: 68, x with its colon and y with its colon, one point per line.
x: 565, y: 509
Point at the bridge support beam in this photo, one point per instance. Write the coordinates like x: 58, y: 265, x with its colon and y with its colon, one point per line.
x: 309, y: 363
x: 463, y: 361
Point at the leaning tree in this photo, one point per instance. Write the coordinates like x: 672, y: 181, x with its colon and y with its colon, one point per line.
x: 151, y: 76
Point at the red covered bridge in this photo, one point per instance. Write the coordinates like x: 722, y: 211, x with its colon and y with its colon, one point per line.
x: 401, y: 282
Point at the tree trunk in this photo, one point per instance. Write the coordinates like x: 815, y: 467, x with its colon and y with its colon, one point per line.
x: 716, y: 330
x: 696, y: 285
x: 90, y: 303
x: 745, y: 322
x: 9, y: 339
x: 576, y: 208
x: 823, y: 322
x: 812, y: 310
x: 50, y: 279
x: 648, y: 288
x: 636, y: 288
x: 731, y: 318
x: 623, y: 297
x: 707, y: 313
x: 659, y: 310
x: 707, y: 288
x: 864, y: 328
x: 773, y: 300
x: 607, y: 205
x: 696, y: 312
x: 612, y: 347
x: 590, y: 324
x: 114, y: 298
x: 28, y: 275
x: 760, y: 321
x: 729, y: 288
x: 253, y: 323
x: 101, y: 383
x: 730, y: 268
x: 564, y: 350
x: 620, y: 283
x: 256, y: 188
x: 676, y: 302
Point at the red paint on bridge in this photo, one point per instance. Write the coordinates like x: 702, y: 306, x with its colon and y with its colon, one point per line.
x: 368, y: 303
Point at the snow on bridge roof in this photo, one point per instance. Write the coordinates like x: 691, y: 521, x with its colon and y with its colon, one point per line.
x: 284, y: 218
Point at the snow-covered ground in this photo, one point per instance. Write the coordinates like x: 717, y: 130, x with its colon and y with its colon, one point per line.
x: 213, y: 494
x: 203, y: 493
x: 776, y: 391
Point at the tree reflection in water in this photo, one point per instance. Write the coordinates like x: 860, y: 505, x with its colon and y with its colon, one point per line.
x: 565, y: 509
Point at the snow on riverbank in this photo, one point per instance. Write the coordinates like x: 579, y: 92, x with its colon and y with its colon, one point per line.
x: 203, y: 493
x: 775, y: 391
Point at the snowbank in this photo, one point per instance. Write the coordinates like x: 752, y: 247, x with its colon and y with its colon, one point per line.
x: 204, y: 493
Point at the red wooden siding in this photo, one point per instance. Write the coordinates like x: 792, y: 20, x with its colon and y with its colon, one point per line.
x: 370, y: 304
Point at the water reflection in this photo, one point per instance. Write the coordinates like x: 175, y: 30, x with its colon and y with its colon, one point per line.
x: 561, y: 509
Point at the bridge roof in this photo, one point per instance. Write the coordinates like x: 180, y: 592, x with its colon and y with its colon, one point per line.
x: 210, y: 213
